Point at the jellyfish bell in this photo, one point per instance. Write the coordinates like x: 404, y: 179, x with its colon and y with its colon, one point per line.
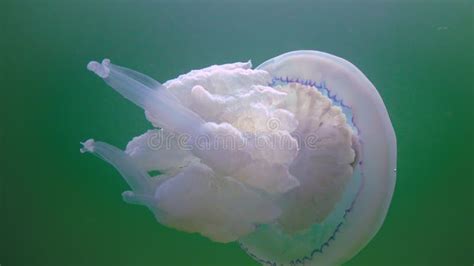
x: 293, y: 159
x: 361, y: 211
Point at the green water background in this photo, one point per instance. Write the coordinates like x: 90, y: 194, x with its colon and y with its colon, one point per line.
x: 59, y: 207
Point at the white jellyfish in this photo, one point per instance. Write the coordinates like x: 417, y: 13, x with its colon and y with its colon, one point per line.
x: 294, y: 159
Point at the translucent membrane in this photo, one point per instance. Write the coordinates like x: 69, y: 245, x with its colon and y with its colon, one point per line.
x: 274, y: 246
x: 377, y: 167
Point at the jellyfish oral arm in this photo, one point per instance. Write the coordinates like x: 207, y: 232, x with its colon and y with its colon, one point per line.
x: 135, y: 177
x: 150, y: 95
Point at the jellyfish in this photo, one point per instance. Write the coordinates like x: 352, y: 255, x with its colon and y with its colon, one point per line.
x: 295, y: 159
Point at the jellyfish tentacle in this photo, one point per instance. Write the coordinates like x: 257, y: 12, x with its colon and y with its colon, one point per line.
x: 137, y: 178
x: 100, y: 69
x: 138, y: 199
x: 139, y: 77
x: 162, y: 107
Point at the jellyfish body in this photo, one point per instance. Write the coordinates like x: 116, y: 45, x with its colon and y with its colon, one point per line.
x: 294, y: 159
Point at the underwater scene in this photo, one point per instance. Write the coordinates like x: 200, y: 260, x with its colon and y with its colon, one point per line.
x: 237, y: 133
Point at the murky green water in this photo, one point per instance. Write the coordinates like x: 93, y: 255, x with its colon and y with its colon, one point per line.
x: 59, y: 207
